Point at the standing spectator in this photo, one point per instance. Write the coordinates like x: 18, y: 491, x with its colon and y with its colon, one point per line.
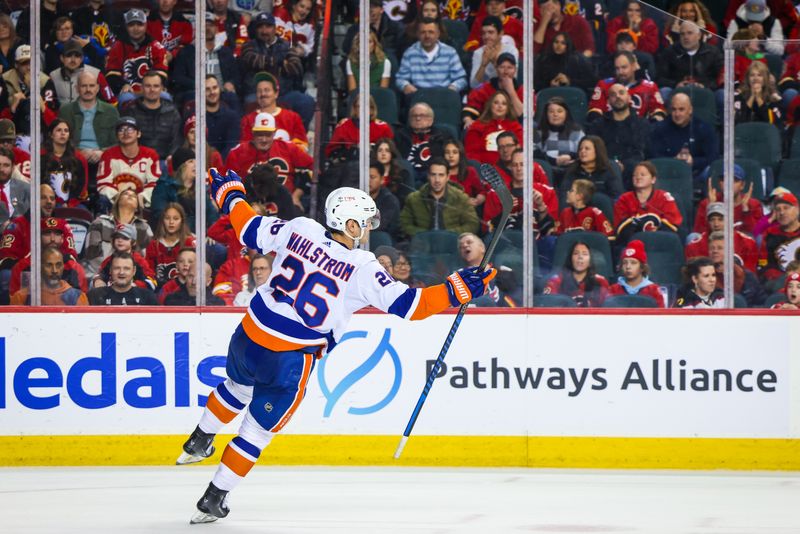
x: 14, y: 193
x: 124, y: 240
x: 8, y: 42
x: 99, y: 20
x: 692, y: 11
x: 554, y: 20
x: 700, y: 286
x: 484, y: 59
x: 294, y: 24
x: 259, y: 273
x: 757, y: 99
x: 430, y: 63
x: 593, y: 165
x: 18, y: 89
x: 633, y: 22
x: 91, y: 121
x: 685, y: 137
x: 419, y: 139
x: 438, y: 205
x: 169, y: 28
x: 645, y: 209
x: 578, y: 279
x: 172, y: 233
x: 645, y: 96
x: 506, y: 80
x: 512, y: 26
x: 480, y: 139
x: 689, y: 62
x: 580, y: 215
x: 387, y: 203
x: 222, y: 121
x: 747, y: 211
x: 395, y: 177
x: 64, y: 168
x: 231, y: 25
x: 561, y: 65
x: 288, y: 124
x: 462, y: 173
x: 187, y: 295
x: 755, y: 15
x: 557, y: 136
x: 781, y: 241
x: 91, y: 52
x: 181, y: 189
x: 55, y: 290
x: 158, y: 119
x: 127, y: 165
x: 624, y: 132
x: 633, y: 270
x: 380, y: 67
x: 127, y: 209
x: 65, y: 77
x: 122, y: 291
x: 133, y: 55
x: 345, y: 141
x: 744, y: 246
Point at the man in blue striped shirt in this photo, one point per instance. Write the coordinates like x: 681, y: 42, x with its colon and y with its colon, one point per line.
x: 430, y: 63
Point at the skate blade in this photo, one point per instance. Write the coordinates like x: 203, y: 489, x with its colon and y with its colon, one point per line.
x: 202, y: 517
x: 186, y: 458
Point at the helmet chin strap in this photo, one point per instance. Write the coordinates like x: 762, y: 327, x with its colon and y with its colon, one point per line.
x: 356, y: 240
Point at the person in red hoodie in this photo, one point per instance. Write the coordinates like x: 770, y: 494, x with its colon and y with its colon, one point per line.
x: 633, y: 270
x: 744, y: 246
x: 480, y: 139
x: 645, y: 209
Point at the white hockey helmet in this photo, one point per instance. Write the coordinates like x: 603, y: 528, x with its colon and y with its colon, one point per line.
x: 348, y: 203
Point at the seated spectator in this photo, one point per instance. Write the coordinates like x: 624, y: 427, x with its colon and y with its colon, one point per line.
x: 693, y: 11
x: 506, y: 80
x: 172, y: 233
x: 232, y: 277
x: 265, y: 188
x: 291, y: 163
x: 99, y: 20
x: 181, y: 189
x: 213, y: 157
x: 495, y: 43
x: 55, y: 290
x: 557, y: 137
x: 579, y: 215
x: 430, y: 63
x: 249, y: 9
x: 462, y: 173
x: 561, y: 65
x: 64, y: 168
x: 65, y: 75
x: 593, y: 165
x: 685, y: 137
x: 633, y: 270
x: 755, y: 15
x: 9, y: 41
x: 645, y: 209
x: 645, y: 96
x: 222, y: 122
x: 395, y: 177
x: 689, y: 62
x: 389, y: 32
x: 127, y: 209
x: 92, y: 122
x: 624, y: 132
x: 259, y: 273
x: 122, y: 291
x: 424, y: 9
x: 187, y: 295
x: 184, y: 266
x: 747, y: 211
x: 745, y: 282
x: 14, y: 192
x: 512, y: 26
x: 127, y: 165
x: 480, y: 139
x: 626, y: 43
x: 295, y: 24
x: 22, y: 159
x: 231, y: 25
x: 699, y: 290
x: 438, y: 205
x: 387, y: 203
x: 746, y: 54
x: 781, y: 241
x: 17, y: 89
x: 170, y: 28
x: 757, y: 99
x: 554, y: 20
x: 158, y: 119
x: 632, y: 21
x: 578, y: 279
x: 404, y: 272
x: 744, y: 246
x: 132, y: 55
x: 124, y: 240
x: 380, y: 67
x: 344, y: 143
x: 419, y: 139
x: 288, y: 123
x: 63, y: 32
x: 792, y: 290
x: 220, y: 63
x: 386, y: 256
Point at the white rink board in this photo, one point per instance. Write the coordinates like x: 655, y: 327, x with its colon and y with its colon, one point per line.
x: 360, y: 388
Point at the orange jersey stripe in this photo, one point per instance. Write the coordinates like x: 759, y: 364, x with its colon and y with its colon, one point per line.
x: 236, y: 462
x: 240, y: 215
x: 301, y: 392
x: 433, y: 300
x: 267, y: 340
x: 221, y: 412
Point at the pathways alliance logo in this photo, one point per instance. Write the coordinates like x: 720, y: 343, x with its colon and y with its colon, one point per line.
x: 383, y: 350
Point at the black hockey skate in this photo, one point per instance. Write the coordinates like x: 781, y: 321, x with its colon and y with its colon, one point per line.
x: 212, y: 505
x: 198, y: 447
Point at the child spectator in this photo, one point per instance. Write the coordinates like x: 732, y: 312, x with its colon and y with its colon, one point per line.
x: 260, y: 271
x: 122, y: 291
x: 124, y: 240
x: 699, y: 290
x: 187, y: 295
x: 380, y: 67
x: 792, y: 290
x: 184, y: 266
x: 344, y: 142
x: 55, y: 290
x: 172, y: 233
x: 633, y: 270
x: 463, y: 174
x: 480, y: 139
x: 645, y: 209
x: 579, y: 215
x: 593, y: 165
x: 578, y: 279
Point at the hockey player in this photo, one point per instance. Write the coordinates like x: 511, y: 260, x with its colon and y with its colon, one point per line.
x: 289, y: 323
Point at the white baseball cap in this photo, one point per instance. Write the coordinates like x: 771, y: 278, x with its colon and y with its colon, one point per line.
x: 264, y: 122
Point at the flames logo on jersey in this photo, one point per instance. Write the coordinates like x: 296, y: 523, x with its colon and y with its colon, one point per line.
x: 134, y: 69
x: 128, y: 181
x: 395, y: 9
x: 787, y: 252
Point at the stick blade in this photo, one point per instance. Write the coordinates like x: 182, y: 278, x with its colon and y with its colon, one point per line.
x: 496, y: 182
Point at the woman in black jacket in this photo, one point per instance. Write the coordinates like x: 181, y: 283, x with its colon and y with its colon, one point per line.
x: 562, y: 65
x: 593, y: 165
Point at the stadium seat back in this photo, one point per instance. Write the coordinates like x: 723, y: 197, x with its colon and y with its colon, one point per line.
x: 703, y: 102
x: 675, y: 176
x: 574, y: 97
x: 377, y: 238
x: 774, y: 299
x: 598, y: 244
x: 457, y: 31
x: 789, y: 176
x: 435, y: 242
x: 386, y: 100
x: 739, y: 301
x: 760, y: 141
x: 509, y: 239
x: 446, y: 104
x: 604, y: 203
x: 664, y: 255
x: 553, y: 301
x: 753, y: 172
x: 629, y: 301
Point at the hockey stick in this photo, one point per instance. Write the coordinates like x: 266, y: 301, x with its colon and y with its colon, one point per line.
x: 490, y: 175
